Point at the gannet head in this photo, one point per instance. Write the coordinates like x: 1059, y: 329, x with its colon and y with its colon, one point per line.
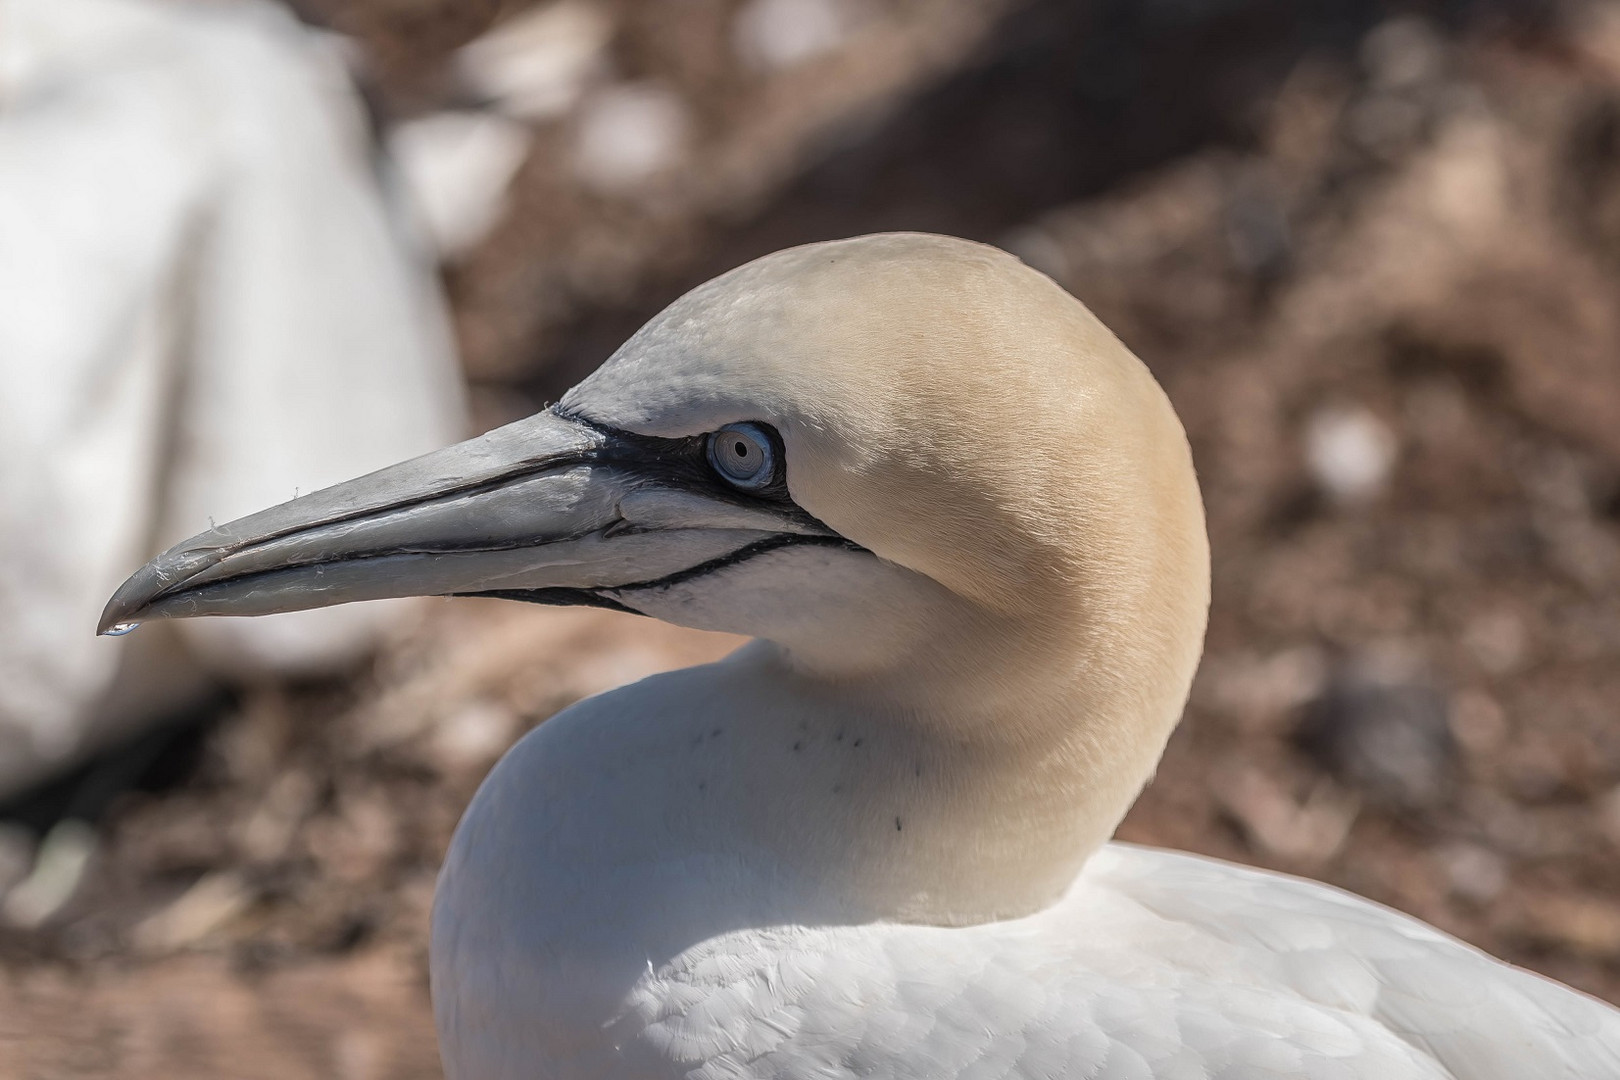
x: 913, y: 463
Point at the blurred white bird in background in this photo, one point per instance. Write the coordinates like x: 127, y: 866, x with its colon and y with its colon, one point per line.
x: 205, y: 306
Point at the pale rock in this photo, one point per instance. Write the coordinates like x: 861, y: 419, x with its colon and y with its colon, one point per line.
x: 198, y: 912
x: 475, y: 735
x: 1349, y: 451
x: 775, y: 34
x: 457, y: 167
x: 629, y: 135
x: 64, y: 856
x: 1498, y: 641
x: 1402, y: 52
x: 536, y: 65
x: 1475, y: 873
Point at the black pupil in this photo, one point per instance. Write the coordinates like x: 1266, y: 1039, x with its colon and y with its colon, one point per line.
x: 741, y: 448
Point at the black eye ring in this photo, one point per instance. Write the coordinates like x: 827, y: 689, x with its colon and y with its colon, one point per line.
x: 744, y: 455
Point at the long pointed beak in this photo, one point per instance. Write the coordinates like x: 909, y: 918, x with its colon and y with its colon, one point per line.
x: 549, y: 508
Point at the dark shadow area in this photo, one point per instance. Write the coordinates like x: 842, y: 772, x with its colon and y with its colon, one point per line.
x: 1065, y: 101
x: 156, y: 760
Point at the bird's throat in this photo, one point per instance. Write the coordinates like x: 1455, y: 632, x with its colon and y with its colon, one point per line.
x: 894, y: 815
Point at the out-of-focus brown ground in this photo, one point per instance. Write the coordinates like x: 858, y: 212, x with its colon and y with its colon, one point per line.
x: 1404, y: 229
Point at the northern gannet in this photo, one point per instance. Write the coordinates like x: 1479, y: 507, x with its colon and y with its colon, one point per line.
x: 961, y: 519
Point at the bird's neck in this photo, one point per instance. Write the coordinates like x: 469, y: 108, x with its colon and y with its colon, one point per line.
x: 980, y: 800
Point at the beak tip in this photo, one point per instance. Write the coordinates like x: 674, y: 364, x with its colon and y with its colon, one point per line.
x: 121, y: 610
x: 333, y: 528
x: 132, y: 601
x: 138, y: 597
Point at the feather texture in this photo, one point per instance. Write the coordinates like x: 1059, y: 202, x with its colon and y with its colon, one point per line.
x: 1155, y: 966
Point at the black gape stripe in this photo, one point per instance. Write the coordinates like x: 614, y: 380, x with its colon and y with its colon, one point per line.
x: 576, y: 597
x: 556, y: 597
x: 741, y: 555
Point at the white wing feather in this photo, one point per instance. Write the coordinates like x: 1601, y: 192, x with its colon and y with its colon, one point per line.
x: 1157, y: 966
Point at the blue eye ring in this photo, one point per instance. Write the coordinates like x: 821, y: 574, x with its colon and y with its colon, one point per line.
x: 744, y: 455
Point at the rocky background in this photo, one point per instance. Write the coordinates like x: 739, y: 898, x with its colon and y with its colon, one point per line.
x: 1372, y: 251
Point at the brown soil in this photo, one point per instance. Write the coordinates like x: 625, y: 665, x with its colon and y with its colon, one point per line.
x: 1410, y: 692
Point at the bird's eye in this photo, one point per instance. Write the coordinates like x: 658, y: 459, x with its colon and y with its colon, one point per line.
x: 744, y: 455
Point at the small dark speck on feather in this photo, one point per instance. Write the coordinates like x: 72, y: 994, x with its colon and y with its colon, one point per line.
x: 839, y: 737
x: 798, y: 746
x: 716, y: 732
x: 703, y: 785
x: 857, y: 742
x: 896, y: 824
